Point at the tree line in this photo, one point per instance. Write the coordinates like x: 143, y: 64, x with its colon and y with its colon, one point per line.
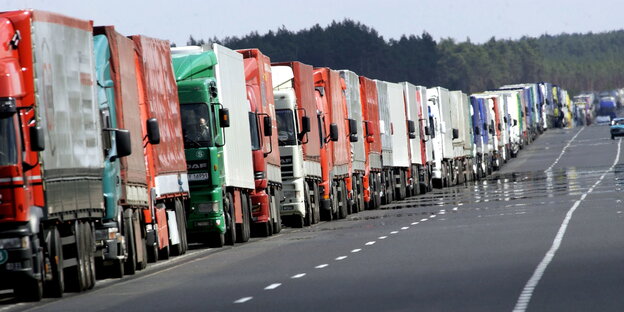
x: 577, y: 62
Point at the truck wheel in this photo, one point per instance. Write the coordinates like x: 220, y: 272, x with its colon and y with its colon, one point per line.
x: 230, y: 234
x: 140, y: 248
x: 56, y: 286
x: 76, y: 275
x: 277, y: 218
x: 344, y: 201
x: 152, y: 252
x: 215, y: 240
x: 130, y: 264
x: 308, y: 205
x: 90, y: 254
x: 316, y: 209
x: 298, y: 221
x: 164, y: 253
x: 243, y: 230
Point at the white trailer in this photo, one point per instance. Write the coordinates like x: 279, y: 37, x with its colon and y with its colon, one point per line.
x: 358, y: 154
x: 237, y: 158
x: 462, y: 145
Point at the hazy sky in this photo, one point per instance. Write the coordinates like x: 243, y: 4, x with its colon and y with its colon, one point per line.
x: 459, y: 19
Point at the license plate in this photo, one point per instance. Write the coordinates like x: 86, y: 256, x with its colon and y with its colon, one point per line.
x: 202, y: 176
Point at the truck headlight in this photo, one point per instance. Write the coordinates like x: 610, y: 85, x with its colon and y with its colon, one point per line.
x: 15, y: 242
x: 208, y: 207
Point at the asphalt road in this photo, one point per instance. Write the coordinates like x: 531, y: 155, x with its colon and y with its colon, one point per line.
x: 546, y: 233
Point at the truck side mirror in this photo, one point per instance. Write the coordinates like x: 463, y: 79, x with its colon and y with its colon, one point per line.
x: 368, y: 129
x: 305, y: 124
x: 477, y: 131
x: 7, y: 107
x: 353, y: 138
x: 455, y: 133
x: 427, y: 131
x: 515, y: 122
x: 370, y: 139
x: 224, y: 117
x: 123, y: 143
x: 153, y: 131
x: 268, y: 126
x: 485, y: 125
x: 37, y: 140
x: 333, y: 132
x: 353, y: 128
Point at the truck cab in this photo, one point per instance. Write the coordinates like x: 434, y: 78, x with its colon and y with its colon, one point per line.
x: 202, y: 123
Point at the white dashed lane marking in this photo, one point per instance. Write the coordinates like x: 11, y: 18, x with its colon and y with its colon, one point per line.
x: 383, y: 237
x: 356, y: 250
x: 300, y: 275
x: 321, y: 266
x: 370, y: 243
x: 394, y: 232
x: 243, y: 300
x: 273, y: 286
x: 341, y: 258
x: 405, y: 228
x: 423, y: 220
x: 414, y: 223
x: 432, y: 216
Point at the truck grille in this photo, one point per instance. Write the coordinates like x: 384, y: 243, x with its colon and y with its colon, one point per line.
x: 286, y: 166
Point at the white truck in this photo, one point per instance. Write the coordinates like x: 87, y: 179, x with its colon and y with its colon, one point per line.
x: 462, y: 145
x: 420, y: 169
x: 444, y: 172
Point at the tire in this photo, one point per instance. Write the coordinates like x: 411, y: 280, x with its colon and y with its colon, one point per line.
x: 215, y: 240
x: 243, y: 231
x: 612, y: 137
x: 277, y: 218
x: 298, y: 221
x: 309, y: 218
x: 76, y: 275
x: 90, y: 254
x: 230, y: 233
x: 263, y: 229
x: 152, y: 252
x: 56, y: 286
x: 130, y: 264
x: 141, y: 261
x: 164, y: 253
x: 343, y: 208
x: 316, y: 209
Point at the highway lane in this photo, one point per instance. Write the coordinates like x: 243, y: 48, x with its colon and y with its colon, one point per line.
x: 469, y: 248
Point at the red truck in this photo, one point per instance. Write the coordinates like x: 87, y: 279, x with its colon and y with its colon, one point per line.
x: 167, y: 181
x: 332, y: 91
x: 267, y: 196
x: 51, y: 148
x: 372, y: 143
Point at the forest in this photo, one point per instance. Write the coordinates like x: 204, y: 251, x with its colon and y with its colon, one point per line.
x: 578, y: 62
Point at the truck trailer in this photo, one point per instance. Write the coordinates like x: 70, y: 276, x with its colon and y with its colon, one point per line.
x: 167, y: 179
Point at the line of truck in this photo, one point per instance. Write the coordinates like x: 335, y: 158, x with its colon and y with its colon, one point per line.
x: 117, y: 151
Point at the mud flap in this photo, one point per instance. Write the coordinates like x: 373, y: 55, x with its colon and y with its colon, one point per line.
x: 174, y: 234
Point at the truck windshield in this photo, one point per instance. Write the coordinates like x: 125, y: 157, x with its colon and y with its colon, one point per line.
x: 198, y: 125
x: 255, y: 134
x: 287, y: 132
x: 8, y: 149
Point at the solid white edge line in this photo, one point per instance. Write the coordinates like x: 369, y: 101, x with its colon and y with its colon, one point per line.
x: 564, y: 150
x: 529, y: 288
